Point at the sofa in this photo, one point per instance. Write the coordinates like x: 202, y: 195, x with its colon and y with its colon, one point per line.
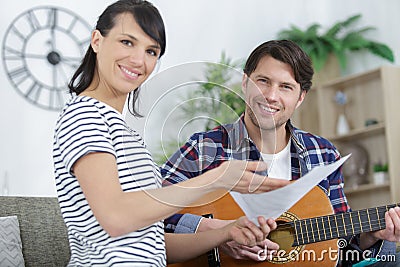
x: 41, y: 227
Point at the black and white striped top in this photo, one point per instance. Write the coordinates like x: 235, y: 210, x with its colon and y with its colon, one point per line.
x: 87, y: 125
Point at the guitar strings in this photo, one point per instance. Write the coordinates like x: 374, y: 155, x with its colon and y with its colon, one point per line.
x: 288, y: 225
x: 371, y: 222
x: 321, y: 232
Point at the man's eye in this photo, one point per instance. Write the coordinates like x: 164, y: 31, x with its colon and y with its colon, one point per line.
x: 262, y: 81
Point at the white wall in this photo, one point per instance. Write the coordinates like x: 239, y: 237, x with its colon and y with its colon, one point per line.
x: 196, y: 31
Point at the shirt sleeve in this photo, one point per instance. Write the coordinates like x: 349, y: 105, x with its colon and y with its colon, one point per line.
x: 181, y: 166
x: 182, y: 223
x: 335, y: 181
x: 336, y: 192
x: 82, y: 131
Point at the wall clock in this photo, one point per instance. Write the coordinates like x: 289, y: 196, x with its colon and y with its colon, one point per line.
x: 41, y: 49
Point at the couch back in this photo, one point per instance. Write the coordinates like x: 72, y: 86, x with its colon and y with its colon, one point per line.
x: 42, y: 228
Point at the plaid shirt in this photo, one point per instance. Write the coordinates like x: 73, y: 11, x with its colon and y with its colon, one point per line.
x: 207, y: 150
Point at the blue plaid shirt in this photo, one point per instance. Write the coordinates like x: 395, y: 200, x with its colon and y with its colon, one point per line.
x: 207, y: 150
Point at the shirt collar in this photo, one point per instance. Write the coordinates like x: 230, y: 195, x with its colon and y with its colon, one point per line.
x: 294, y: 135
x: 239, y: 136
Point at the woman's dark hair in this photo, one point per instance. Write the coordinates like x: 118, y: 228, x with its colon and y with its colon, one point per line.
x: 148, y: 18
x: 288, y: 52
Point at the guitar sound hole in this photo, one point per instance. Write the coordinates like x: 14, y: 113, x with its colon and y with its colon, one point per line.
x: 283, y: 235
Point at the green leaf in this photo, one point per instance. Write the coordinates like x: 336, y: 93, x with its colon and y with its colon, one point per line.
x: 351, y: 20
x: 341, y: 57
x: 318, y: 53
x: 340, y: 25
x: 312, y: 31
x: 294, y: 33
x: 334, y: 30
x: 364, y: 30
x: 382, y: 50
x: 355, y: 41
x: 340, y: 38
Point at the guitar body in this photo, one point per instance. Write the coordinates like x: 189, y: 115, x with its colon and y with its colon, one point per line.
x: 313, y: 204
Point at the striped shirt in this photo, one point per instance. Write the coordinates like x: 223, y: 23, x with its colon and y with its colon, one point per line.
x: 85, y: 126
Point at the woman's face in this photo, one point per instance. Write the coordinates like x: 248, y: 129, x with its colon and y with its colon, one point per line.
x: 125, y: 57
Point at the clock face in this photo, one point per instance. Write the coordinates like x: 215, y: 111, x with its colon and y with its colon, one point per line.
x: 41, y: 49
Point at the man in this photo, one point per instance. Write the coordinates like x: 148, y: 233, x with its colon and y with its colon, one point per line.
x: 277, y: 76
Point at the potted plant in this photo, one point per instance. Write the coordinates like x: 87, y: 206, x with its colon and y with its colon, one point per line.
x: 339, y: 39
x: 217, y: 100
x: 224, y: 101
x: 380, y: 173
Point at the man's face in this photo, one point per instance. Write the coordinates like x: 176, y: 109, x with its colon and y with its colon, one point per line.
x: 272, y: 94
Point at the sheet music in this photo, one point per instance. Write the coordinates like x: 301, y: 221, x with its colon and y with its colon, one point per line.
x: 274, y: 203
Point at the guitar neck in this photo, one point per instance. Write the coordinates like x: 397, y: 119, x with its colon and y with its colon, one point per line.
x: 339, y: 225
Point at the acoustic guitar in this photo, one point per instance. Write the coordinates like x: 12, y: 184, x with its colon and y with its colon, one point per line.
x: 308, y: 234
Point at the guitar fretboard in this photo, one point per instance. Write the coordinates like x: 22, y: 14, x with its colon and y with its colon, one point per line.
x: 339, y: 225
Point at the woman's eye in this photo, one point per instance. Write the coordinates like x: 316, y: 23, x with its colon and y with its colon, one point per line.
x: 127, y: 42
x: 152, y: 52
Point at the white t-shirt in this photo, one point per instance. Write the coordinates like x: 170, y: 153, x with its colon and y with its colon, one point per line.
x: 87, y: 125
x: 279, y: 165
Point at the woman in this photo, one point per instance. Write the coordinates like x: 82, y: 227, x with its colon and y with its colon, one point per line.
x: 108, y: 186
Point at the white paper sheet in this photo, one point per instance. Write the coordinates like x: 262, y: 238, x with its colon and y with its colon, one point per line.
x: 274, y: 203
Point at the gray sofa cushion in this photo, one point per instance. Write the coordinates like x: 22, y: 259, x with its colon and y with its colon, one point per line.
x: 42, y: 228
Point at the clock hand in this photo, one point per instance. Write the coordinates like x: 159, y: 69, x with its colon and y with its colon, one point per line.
x: 71, y: 61
x: 40, y: 56
x: 52, y: 39
x: 63, y: 72
x: 52, y: 57
x: 52, y: 22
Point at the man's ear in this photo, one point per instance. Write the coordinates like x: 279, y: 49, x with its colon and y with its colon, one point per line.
x: 95, y: 41
x: 301, y: 98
